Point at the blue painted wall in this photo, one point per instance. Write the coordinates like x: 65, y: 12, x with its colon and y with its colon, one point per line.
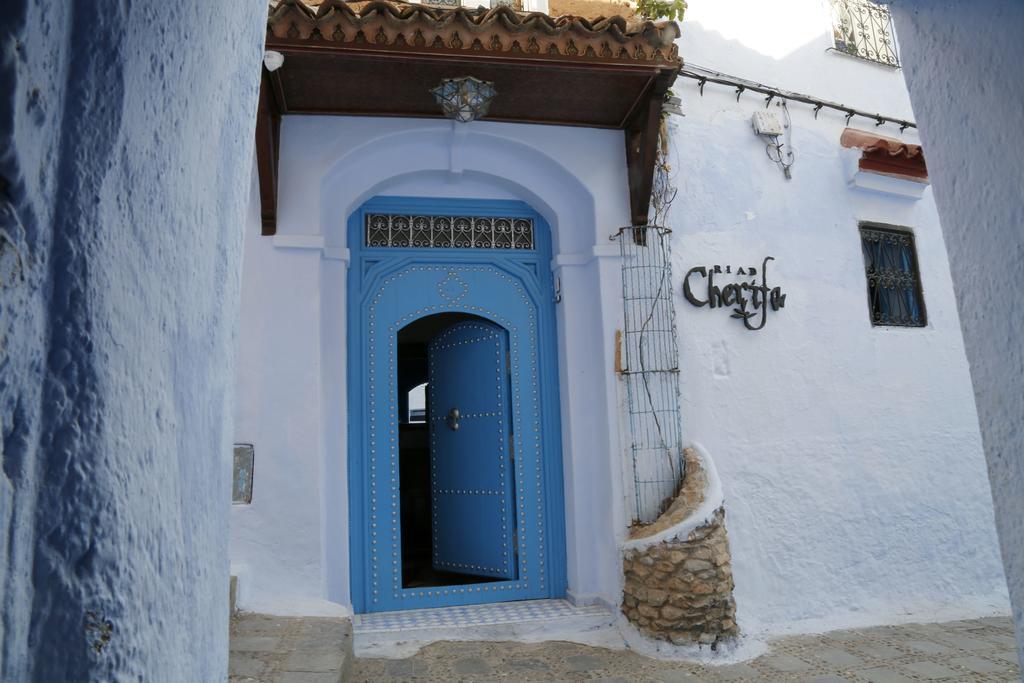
x: 963, y: 68
x: 125, y: 158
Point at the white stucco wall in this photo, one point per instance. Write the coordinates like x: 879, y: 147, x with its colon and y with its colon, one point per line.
x: 963, y: 72
x: 121, y: 203
x: 290, y: 546
x: 849, y: 456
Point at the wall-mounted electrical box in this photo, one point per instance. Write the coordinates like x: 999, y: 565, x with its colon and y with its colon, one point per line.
x: 766, y: 123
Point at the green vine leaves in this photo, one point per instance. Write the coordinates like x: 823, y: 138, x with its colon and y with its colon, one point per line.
x: 656, y: 9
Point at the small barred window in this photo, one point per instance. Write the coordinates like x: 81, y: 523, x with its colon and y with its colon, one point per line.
x: 863, y: 29
x: 894, y: 282
x: 448, y: 232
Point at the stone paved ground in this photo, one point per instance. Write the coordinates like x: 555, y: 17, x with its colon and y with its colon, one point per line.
x: 266, y: 649
x: 977, y: 650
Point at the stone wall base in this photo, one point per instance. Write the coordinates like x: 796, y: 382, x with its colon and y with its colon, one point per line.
x: 680, y: 590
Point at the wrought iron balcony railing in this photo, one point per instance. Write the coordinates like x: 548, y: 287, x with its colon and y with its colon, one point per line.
x: 863, y: 29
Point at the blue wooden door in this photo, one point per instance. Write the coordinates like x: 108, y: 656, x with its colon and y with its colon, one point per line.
x: 498, y: 477
x: 470, y: 455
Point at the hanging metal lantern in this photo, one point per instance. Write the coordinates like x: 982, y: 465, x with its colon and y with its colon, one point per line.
x: 464, y: 99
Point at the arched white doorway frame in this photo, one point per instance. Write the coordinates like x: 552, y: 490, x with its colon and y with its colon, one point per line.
x: 484, y: 160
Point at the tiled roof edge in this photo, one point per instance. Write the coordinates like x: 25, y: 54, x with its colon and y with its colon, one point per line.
x: 872, y: 142
x: 648, y: 40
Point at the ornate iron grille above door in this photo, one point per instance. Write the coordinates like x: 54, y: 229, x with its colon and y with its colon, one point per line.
x: 448, y: 232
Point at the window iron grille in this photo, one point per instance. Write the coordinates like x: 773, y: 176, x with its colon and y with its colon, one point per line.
x: 448, y: 232
x: 894, y: 282
x: 651, y: 369
x: 863, y: 29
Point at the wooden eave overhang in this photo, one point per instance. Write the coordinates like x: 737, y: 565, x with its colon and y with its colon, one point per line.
x: 382, y: 58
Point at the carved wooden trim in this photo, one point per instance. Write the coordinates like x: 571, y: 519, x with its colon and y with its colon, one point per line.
x: 538, y: 48
x: 268, y: 141
x: 642, y: 131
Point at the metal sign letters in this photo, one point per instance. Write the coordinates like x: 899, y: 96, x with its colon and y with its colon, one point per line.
x: 749, y: 300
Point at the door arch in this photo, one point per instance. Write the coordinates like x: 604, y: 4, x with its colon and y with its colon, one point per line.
x: 489, y: 260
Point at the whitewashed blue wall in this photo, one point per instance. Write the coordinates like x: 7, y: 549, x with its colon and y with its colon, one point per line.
x: 963, y: 71
x: 125, y: 150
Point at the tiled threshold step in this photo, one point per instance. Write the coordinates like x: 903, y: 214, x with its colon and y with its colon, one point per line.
x: 399, y: 634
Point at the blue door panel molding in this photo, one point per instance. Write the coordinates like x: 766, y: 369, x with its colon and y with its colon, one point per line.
x: 510, y: 293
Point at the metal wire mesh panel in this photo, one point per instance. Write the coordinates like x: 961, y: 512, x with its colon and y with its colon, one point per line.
x: 651, y: 368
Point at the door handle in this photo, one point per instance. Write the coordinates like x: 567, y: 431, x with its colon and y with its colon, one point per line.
x: 453, y: 419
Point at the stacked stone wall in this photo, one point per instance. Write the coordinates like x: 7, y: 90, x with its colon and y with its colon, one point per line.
x: 680, y: 590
